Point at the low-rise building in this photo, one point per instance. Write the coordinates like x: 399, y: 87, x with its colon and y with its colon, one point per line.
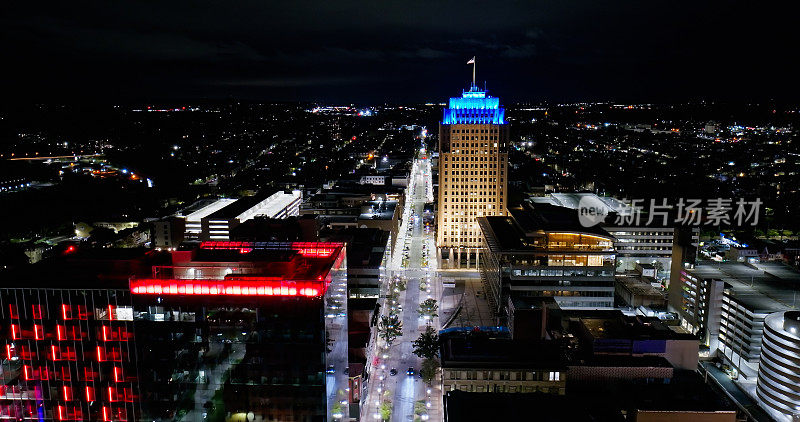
x: 635, y: 336
x: 168, y: 233
x: 378, y: 180
x: 218, y: 225
x: 544, y: 251
x: 478, y: 363
x: 195, y: 214
x: 636, y: 291
x: 635, y: 243
x: 602, y: 369
x: 686, y: 398
x: 532, y: 318
x: 356, y: 206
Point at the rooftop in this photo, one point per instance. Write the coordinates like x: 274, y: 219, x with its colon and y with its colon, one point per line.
x: 636, y: 286
x: 250, y: 206
x: 245, y: 268
x: 686, y: 392
x: 765, y: 287
x: 365, y: 246
x: 517, y: 231
x: 572, y: 199
x: 474, y: 107
x: 537, y: 302
x: 476, y: 351
x: 630, y: 328
x: 551, y: 218
x: 614, y: 208
x: 206, y: 207
x: 378, y: 210
x: 612, y: 361
x: 106, y: 268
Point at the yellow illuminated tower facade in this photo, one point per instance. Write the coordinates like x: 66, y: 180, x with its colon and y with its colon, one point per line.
x: 473, y: 171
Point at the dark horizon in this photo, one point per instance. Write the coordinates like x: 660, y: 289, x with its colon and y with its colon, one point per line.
x: 402, y: 52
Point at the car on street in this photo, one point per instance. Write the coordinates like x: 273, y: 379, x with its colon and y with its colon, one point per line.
x: 393, y: 372
x: 410, y: 371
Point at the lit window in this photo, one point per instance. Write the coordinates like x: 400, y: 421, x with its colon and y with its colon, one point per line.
x: 38, y: 332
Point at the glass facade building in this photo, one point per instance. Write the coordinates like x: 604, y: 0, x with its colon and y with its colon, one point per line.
x: 69, y: 355
x: 530, y: 255
x: 223, y: 331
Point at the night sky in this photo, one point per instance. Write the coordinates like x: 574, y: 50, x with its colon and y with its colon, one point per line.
x: 397, y: 51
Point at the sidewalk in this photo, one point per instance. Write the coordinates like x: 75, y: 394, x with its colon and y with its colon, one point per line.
x: 406, y: 390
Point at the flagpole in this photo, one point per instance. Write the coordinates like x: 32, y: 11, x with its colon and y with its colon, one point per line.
x: 473, y: 70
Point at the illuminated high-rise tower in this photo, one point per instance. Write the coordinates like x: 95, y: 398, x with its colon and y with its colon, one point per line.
x: 473, y: 170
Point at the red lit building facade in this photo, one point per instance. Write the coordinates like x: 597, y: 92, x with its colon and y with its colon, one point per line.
x: 226, y: 329
x: 68, y: 355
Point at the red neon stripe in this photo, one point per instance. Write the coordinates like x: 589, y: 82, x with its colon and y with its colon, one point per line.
x: 254, y: 286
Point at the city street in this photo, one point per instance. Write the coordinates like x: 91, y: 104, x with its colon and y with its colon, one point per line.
x: 414, y: 262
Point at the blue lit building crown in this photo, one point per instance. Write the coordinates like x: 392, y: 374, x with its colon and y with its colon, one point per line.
x: 474, y: 107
